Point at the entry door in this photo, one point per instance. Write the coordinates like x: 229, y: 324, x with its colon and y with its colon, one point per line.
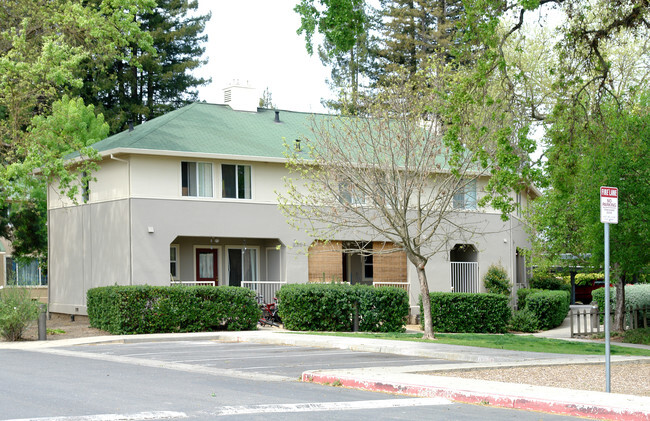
x: 206, y: 266
x: 242, y: 265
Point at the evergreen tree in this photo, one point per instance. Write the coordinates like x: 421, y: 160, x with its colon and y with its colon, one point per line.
x: 151, y: 83
x: 414, y: 30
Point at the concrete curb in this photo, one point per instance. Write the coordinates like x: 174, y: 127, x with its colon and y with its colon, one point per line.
x: 407, y: 381
x: 596, y: 405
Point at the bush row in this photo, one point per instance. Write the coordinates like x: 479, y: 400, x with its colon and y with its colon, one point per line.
x: 153, y: 309
x: 637, y: 295
x: 471, y: 313
x: 331, y: 307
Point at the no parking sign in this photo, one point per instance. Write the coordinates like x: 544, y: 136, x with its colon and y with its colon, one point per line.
x: 609, y: 205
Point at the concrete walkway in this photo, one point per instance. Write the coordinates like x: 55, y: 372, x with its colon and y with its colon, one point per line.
x: 408, y: 381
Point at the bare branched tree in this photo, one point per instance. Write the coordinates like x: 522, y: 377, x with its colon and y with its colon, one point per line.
x: 402, y: 173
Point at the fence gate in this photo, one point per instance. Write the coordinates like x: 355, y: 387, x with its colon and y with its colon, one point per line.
x: 464, y: 277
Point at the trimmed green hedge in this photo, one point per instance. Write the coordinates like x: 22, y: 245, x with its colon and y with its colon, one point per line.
x: 471, y: 313
x: 153, y: 309
x: 549, y: 307
x: 331, y: 307
x: 522, y: 293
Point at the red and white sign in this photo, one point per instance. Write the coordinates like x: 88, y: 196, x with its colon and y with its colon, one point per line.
x: 609, y: 205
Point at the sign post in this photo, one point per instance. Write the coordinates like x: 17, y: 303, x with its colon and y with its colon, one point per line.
x: 608, y: 215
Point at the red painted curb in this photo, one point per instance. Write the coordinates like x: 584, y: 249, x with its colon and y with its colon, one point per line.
x: 490, y: 399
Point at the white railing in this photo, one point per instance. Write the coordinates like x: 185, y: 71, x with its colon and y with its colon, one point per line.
x: 402, y: 285
x: 464, y: 277
x: 266, y: 290
x: 191, y: 283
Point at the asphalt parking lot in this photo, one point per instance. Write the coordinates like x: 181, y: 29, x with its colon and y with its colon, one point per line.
x: 274, y: 360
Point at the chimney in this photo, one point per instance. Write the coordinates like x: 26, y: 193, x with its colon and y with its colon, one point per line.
x: 277, y: 116
x: 241, y: 97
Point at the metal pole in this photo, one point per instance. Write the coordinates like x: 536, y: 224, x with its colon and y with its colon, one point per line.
x: 42, y: 327
x: 607, y: 311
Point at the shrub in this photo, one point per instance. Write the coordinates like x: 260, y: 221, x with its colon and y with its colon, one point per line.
x: 496, y: 280
x: 522, y: 293
x: 151, y: 309
x: 524, y: 321
x: 549, y: 307
x: 545, y: 280
x: 637, y: 336
x: 471, y: 313
x: 637, y: 295
x: 331, y: 307
x: 17, y: 312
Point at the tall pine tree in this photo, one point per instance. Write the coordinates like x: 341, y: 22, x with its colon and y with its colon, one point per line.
x: 152, y: 84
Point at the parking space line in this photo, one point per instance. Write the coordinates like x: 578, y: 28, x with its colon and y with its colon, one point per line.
x: 262, y: 356
x: 140, y: 416
x: 330, y: 406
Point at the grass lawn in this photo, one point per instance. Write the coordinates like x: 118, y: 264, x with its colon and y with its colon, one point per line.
x: 507, y: 341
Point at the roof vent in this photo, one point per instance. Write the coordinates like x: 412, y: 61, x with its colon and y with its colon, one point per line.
x: 277, y: 116
x: 241, y: 97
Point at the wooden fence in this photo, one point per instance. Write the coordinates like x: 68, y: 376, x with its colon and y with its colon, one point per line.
x: 586, y: 321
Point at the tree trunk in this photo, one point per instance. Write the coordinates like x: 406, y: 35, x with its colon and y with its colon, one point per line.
x: 426, y: 303
x: 619, y: 315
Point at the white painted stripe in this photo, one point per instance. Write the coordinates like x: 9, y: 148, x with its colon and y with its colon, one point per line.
x: 330, y: 406
x: 264, y: 357
x: 155, y: 415
x: 194, y: 352
x: 356, y: 364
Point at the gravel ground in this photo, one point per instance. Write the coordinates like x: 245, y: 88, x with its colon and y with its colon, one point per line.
x: 627, y: 378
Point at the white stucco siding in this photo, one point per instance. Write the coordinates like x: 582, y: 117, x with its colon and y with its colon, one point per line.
x: 155, y: 176
x: 110, y: 182
x: 160, y: 178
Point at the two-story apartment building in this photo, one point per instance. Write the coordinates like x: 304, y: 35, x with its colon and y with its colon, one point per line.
x: 191, y: 196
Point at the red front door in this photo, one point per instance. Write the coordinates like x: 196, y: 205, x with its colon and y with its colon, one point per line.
x: 206, y: 266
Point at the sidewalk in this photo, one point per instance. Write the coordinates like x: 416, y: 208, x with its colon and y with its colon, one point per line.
x: 410, y: 381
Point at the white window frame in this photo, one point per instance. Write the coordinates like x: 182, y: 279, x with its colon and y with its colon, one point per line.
x: 210, y: 192
x: 250, y: 187
x: 176, y: 276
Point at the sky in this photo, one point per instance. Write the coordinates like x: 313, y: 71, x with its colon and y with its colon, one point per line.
x: 255, y: 41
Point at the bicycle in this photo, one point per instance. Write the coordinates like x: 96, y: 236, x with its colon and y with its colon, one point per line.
x: 270, y: 315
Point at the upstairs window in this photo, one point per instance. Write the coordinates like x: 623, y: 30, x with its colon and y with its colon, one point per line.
x: 465, y: 197
x: 236, y: 181
x: 350, y: 194
x: 196, y: 179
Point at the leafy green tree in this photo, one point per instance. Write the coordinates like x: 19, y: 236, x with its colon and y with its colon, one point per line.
x: 345, y: 26
x: 43, y: 44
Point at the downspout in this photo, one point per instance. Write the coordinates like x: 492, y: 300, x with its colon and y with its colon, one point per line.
x: 128, y: 197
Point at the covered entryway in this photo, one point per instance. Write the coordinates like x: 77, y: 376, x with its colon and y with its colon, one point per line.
x: 463, y: 260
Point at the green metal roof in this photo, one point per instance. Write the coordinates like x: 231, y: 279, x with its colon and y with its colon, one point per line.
x: 214, y: 129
